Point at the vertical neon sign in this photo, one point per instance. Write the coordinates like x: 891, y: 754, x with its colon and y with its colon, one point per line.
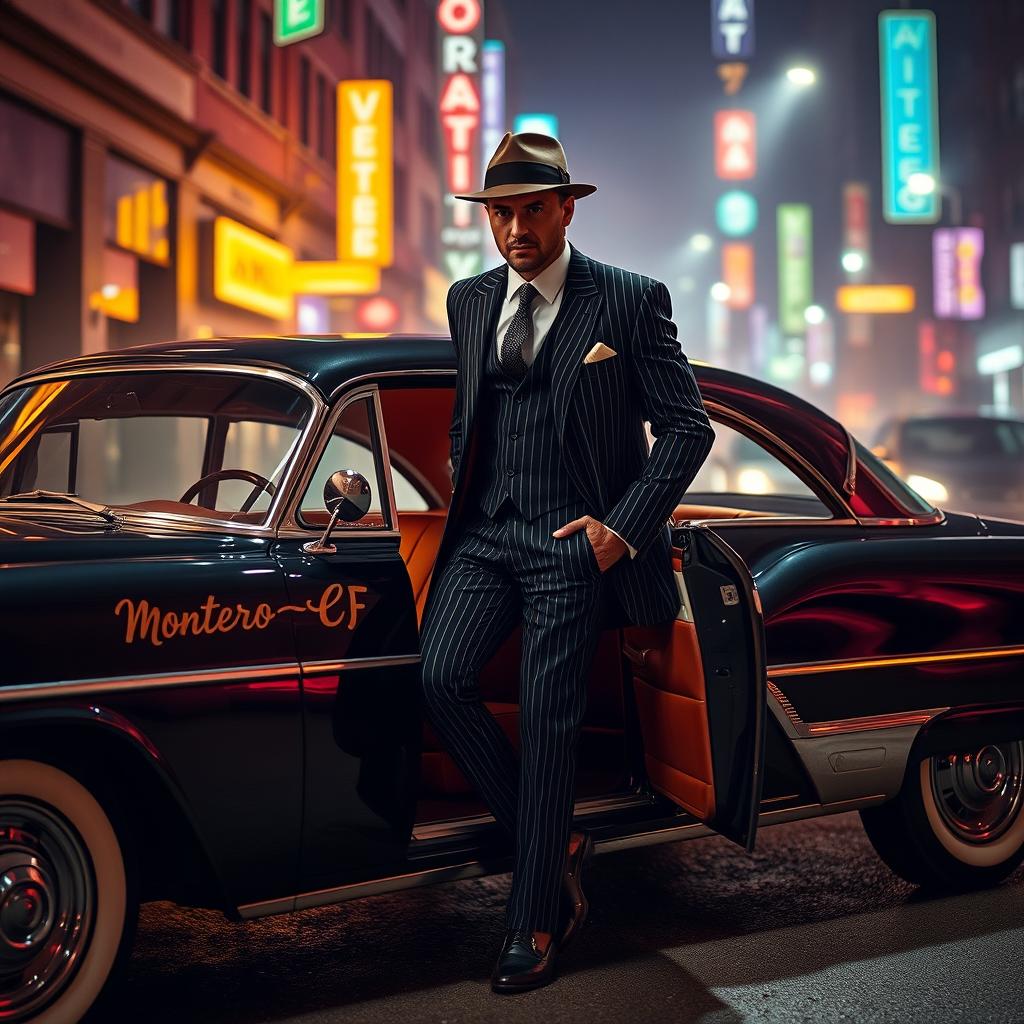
x: 910, y: 123
x: 461, y: 24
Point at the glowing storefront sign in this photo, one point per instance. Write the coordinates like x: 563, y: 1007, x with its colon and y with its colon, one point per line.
x: 330, y: 277
x: 251, y: 270
x: 795, y: 274
x: 910, y: 131
x: 736, y: 213
x: 461, y: 24
x: 540, y: 124
x: 365, y: 172
x: 297, y: 19
x: 136, y: 211
x: 734, y: 144
x: 732, y: 29
x: 875, y: 298
x: 956, y: 273
x: 738, y: 274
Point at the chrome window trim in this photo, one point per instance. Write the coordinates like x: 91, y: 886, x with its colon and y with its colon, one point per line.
x: 21, y: 692
x: 364, y: 378
x: 181, y: 522
x: 290, y: 526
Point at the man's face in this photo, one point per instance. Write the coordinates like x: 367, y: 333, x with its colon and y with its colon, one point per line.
x: 529, y: 230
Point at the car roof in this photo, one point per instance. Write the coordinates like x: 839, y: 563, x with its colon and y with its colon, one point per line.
x: 327, y: 362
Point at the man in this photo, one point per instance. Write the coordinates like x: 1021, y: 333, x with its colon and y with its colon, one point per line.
x: 558, y: 512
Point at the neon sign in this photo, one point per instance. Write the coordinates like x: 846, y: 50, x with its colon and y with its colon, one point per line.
x: 734, y: 144
x: 461, y: 24
x: 365, y: 172
x: 910, y: 129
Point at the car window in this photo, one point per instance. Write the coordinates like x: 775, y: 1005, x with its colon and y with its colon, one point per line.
x: 263, y: 448
x: 142, y: 440
x: 353, y: 445
x: 118, y: 457
x: 737, y: 467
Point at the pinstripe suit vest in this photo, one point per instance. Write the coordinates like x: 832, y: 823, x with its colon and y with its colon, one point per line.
x: 517, y: 427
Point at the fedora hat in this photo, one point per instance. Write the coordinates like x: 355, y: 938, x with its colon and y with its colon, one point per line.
x: 527, y: 162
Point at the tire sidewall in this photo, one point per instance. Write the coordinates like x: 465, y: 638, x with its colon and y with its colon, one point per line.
x: 980, y: 857
x: 49, y: 785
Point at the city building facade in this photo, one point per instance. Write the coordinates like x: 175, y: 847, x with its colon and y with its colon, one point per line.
x: 163, y: 163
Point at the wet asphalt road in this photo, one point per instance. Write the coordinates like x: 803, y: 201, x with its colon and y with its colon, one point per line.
x: 812, y: 927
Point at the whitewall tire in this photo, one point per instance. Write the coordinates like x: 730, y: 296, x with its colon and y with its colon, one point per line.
x: 958, y: 821
x: 66, y: 907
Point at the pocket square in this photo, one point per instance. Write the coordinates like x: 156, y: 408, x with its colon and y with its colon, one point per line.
x: 598, y: 352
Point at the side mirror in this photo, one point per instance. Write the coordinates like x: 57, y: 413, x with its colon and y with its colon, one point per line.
x: 347, y: 496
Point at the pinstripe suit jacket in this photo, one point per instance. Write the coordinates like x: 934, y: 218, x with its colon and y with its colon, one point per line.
x: 600, y: 409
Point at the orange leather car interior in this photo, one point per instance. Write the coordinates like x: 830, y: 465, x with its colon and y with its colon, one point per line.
x: 671, y: 705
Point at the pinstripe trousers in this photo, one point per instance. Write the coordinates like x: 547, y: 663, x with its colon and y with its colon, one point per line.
x: 503, y: 571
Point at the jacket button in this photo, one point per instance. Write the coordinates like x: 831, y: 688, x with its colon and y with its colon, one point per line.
x: 510, y: 472
x: 513, y: 435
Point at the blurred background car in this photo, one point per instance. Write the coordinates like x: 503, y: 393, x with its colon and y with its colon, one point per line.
x: 964, y: 461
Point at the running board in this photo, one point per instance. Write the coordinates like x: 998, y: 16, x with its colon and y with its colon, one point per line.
x: 474, y: 868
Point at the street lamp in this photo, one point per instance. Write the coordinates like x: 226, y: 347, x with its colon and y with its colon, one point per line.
x: 923, y: 184
x: 701, y: 242
x: 853, y: 261
x: 720, y: 291
x: 801, y: 76
x: 814, y: 315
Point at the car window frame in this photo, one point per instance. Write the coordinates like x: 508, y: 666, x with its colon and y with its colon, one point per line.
x: 291, y: 524
x: 841, y: 512
x: 206, y: 524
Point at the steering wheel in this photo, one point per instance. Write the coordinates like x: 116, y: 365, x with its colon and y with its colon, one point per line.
x: 261, y: 484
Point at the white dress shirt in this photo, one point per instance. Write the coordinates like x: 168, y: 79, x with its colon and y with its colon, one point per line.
x: 550, y: 283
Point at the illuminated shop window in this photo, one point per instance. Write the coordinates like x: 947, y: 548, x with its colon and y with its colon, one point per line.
x: 137, y: 211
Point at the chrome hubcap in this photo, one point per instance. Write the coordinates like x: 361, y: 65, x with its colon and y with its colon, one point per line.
x: 47, y: 906
x: 980, y: 793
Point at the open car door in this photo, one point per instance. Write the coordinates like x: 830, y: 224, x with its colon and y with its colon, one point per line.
x: 700, y: 685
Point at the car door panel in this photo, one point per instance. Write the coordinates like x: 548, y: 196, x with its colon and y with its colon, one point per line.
x: 700, y: 690
x: 361, y: 699
x: 187, y: 647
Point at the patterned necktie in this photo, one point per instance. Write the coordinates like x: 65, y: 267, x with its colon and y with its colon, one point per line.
x: 520, y: 331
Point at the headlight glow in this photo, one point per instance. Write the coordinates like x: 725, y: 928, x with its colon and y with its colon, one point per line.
x: 754, y: 481
x: 929, y: 489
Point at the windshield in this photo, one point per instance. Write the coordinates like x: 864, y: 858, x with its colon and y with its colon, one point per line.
x: 963, y: 438
x: 143, y: 440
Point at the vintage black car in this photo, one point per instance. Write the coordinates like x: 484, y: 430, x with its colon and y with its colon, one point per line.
x: 213, y: 559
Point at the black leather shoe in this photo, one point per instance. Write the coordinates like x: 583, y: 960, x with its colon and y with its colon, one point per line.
x: 521, y: 966
x: 581, y: 846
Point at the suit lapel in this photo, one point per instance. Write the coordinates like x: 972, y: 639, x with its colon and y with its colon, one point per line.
x: 484, y: 304
x: 571, y: 333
